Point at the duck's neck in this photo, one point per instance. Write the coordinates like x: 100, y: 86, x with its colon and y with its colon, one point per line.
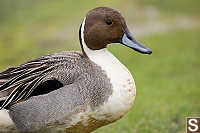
x: 92, y: 54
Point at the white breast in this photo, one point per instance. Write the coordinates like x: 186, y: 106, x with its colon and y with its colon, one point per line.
x: 123, y: 86
x: 124, y: 90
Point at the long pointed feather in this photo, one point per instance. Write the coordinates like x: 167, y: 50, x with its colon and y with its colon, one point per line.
x: 21, y: 81
x: 10, y: 97
x: 23, y: 91
x: 27, y: 88
x: 33, y: 87
x: 21, y: 76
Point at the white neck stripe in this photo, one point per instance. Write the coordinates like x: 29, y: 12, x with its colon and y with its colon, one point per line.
x: 82, y: 32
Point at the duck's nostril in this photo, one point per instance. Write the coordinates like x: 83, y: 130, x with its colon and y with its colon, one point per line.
x: 130, y: 37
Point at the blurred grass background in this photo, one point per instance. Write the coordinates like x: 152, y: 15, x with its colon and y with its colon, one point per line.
x: 168, y: 81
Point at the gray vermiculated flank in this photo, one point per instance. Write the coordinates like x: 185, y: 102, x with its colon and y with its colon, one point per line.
x: 84, y: 83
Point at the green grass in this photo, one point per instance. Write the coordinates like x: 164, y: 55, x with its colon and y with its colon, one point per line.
x: 189, y: 7
x: 45, y: 25
x: 50, y: 25
x: 167, y: 84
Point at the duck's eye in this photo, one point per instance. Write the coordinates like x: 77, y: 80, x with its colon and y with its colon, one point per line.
x: 109, y: 22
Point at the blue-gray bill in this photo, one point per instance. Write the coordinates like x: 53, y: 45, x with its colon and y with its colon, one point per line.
x: 130, y: 42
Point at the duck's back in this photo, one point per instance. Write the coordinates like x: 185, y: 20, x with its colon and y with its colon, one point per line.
x: 68, y: 83
x: 28, y: 76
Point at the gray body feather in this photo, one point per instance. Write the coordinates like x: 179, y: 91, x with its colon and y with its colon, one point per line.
x: 84, y: 83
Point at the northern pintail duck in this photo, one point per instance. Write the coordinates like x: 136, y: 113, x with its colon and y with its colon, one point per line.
x: 76, y: 91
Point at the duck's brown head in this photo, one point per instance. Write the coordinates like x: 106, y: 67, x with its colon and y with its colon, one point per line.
x: 103, y: 26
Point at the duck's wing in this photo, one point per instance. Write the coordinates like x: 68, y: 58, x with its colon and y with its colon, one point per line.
x: 37, y: 77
